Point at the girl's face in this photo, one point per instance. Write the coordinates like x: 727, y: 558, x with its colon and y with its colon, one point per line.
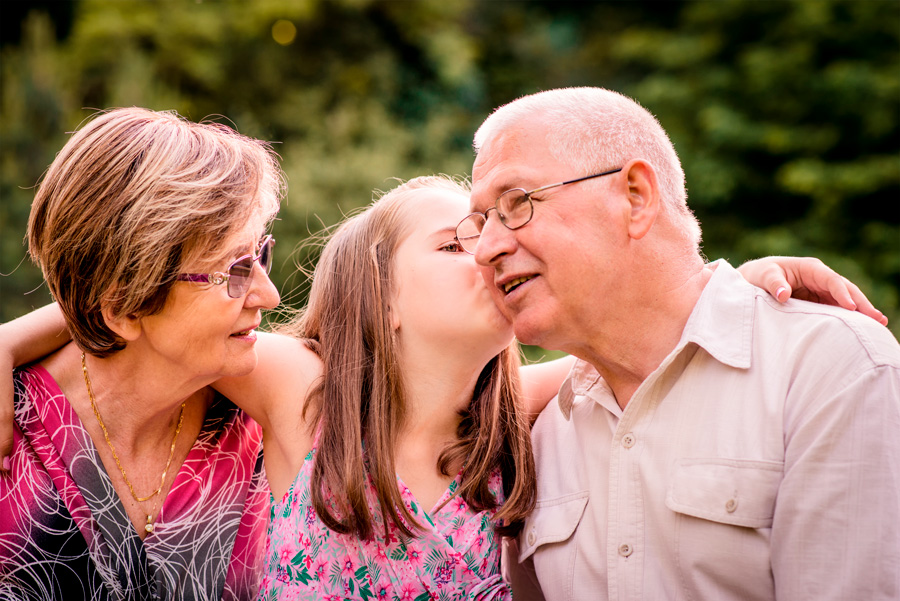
x: 439, y: 295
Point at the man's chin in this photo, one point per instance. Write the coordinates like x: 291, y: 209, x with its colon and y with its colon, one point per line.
x: 527, y: 333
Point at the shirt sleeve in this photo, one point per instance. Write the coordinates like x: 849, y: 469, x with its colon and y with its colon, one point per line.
x: 836, y: 529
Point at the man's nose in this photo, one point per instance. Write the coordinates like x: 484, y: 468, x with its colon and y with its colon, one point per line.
x: 496, y: 241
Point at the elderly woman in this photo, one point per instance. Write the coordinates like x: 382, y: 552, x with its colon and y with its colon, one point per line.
x: 130, y: 477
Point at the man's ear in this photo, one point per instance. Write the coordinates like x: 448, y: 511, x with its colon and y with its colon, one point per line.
x: 643, y: 194
x: 126, y: 327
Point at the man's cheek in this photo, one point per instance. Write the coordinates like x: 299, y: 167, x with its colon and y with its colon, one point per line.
x: 487, y: 272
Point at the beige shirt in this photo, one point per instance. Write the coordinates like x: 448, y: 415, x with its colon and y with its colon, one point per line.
x: 761, y: 460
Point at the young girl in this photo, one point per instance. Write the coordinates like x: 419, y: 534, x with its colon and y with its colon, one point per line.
x: 411, y: 452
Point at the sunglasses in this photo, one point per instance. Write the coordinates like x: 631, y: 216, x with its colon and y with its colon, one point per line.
x: 239, y: 273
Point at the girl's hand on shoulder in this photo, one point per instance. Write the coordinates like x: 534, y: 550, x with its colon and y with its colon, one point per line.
x: 808, y: 278
x: 6, y: 409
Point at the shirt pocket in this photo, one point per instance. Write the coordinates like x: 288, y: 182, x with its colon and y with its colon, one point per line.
x: 552, y: 521
x: 729, y: 491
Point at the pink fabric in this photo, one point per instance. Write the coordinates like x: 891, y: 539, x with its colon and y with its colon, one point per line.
x: 455, y: 557
x: 64, y: 533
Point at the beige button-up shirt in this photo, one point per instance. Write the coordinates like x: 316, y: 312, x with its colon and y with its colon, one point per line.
x: 761, y: 460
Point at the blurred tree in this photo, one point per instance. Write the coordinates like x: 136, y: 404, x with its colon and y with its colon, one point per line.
x: 34, y: 98
x: 785, y: 113
x: 787, y: 118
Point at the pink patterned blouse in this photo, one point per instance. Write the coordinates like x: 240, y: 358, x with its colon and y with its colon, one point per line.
x: 64, y: 533
x: 457, y: 556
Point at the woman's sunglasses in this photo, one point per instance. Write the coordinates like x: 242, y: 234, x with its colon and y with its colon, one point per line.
x: 239, y: 273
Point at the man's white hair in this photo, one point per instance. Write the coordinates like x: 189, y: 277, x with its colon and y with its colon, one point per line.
x: 594, y: 129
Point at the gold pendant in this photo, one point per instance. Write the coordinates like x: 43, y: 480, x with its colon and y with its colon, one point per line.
x: 149, y: 526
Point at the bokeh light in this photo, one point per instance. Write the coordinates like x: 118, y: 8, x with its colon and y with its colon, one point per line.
x: 284, y: 32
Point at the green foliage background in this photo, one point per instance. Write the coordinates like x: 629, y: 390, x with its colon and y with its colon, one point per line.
x: 786, y: 114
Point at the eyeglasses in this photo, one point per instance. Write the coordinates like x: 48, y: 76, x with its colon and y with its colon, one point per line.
x: 239, y: 273
x: 515, y: 209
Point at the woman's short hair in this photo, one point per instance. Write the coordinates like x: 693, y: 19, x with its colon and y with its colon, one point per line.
x: 131, y: 197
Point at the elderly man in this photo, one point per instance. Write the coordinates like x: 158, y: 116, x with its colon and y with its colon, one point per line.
x: 710, y: 443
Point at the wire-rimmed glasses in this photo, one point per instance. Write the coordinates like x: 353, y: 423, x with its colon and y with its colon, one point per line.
x: 515, y: 209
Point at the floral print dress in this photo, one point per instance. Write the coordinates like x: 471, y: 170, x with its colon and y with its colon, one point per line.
x: 456, y: 557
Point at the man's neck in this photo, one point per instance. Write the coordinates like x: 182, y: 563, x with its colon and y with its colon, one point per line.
x: 625, y: 349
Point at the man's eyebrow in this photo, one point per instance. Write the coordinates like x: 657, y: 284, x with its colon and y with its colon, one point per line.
x: 515, y: 181
x: 510, y: 184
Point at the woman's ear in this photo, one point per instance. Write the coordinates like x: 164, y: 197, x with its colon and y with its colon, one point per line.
x: 643, y: 195
x: 126, y: 327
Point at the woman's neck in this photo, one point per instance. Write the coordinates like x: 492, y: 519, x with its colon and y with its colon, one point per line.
x: 133, y: 413
x: 138, y: 405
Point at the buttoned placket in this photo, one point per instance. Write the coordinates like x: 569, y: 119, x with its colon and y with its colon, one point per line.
x: 624, y: 564
x: 626, y: 542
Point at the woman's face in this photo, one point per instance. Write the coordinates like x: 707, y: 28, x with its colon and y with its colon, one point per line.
x: 203, y: 333
x: 439, y: 295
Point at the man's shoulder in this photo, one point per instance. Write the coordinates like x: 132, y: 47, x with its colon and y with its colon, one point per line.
x: 824, y: 328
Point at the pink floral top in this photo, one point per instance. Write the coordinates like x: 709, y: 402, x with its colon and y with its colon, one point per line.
x: 456, y: 557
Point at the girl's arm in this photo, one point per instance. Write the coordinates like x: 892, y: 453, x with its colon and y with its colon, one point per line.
x: 274, y: 393
x: 541, y: 381
x: 25, y: 340
x: 32, y: 336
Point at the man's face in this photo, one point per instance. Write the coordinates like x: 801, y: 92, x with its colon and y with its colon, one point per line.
x: 551, y: 276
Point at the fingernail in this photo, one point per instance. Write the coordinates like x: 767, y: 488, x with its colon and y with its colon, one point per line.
x: 6, y: 463
x: 779, y: 291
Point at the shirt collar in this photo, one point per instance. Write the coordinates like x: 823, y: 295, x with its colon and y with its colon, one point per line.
x: 721, y: 323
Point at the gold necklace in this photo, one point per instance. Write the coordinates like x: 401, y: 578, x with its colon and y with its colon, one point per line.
x: 87, y: 382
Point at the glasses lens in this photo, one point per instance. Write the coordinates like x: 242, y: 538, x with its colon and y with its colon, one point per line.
x: 514, y: 208
x: 469, y: 230
x: 239, y: 277
x: 265, y: 255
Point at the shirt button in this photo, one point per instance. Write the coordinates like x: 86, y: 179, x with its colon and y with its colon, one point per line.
x: 628, y: 440
x: 731, y: 505
x: 532, y: 537
x: 625, y: 550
